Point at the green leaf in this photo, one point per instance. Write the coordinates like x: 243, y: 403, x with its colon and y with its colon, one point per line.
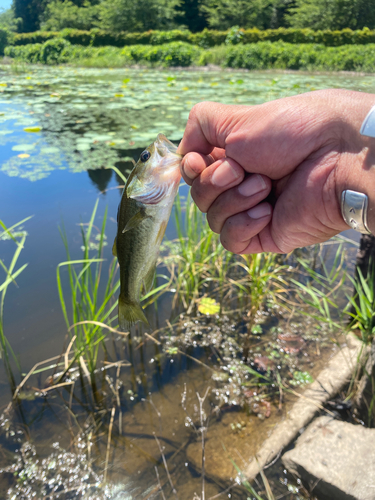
x: 208, y: 306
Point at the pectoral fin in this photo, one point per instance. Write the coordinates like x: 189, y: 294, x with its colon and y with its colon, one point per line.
x: 149, y: 278
x: 148, y: 194
x: 134, y: 221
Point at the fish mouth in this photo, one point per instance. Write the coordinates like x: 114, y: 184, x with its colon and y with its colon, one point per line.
x: 165, y: 147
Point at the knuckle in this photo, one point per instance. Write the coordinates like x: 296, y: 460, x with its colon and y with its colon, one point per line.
x: 214, y: 221
x: 197, y: 197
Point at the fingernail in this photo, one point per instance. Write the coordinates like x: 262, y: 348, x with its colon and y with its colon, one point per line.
x: 259, y: 211
x: 224, y: 175
x: 252, y: 185
x: 188, y: 170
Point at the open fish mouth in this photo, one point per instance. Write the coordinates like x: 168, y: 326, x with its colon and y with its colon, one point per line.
x: 164, y: 146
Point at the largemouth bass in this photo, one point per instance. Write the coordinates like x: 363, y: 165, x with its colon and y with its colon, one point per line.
x: 142, y: 218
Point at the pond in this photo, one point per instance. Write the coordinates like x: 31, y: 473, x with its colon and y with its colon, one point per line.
x: 131, y: 425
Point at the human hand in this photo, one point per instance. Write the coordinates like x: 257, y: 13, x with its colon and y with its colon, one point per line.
x: 307, y: 148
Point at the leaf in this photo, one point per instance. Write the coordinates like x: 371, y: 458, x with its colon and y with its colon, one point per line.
x: 256, y: 330
x: 208, y: 306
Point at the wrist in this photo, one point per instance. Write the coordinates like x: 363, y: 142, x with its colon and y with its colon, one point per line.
x: 356, y: 167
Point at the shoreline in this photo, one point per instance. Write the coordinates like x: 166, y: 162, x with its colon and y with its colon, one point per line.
x: 7, y: 62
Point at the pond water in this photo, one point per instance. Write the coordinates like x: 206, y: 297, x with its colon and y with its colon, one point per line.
x: 61, y: 129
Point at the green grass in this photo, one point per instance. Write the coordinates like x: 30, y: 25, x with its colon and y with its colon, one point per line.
x: 195, y: 259
x: 11, y: 273
x: 201, y: 267
x: 89, y: 303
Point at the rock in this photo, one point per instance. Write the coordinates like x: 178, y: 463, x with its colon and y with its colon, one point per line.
x: 365, y: 392
x: 329, y: 382
x: 335, y: 459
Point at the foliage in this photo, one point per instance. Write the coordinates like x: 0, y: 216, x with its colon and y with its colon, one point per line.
x: 362, y: 305
x: 11, y: 274
x: 169, y: 54
x: 196, y: 258
x: 8, y: 21
x: 206, y: 38
x: 262, y: 55
x: 60, y: 15
x: 52, y: 52
x: 57, y: 51
x: 227, y: 13
x: 189, y: 14
x: 280, y: 55
x: 234, y: 36
x: 332, y: 14
x: 4, y: 38
x: 319, y: 289
x: 135, y: 15
x: 87, y: 303
x: 28, y: 12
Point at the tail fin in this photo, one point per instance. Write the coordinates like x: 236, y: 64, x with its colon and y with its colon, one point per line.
x: 129, y: 312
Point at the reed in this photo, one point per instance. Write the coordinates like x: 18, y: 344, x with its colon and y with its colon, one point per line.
x: 92, y: 302
x: 318, y: 287
x: 11, y: 273
x: 361, y: 306
x: 195, y: 258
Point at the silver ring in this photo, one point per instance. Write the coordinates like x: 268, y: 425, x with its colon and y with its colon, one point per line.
x: 354, y: 210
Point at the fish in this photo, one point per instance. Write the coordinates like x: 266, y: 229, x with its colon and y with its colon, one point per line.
x: 142, y: 218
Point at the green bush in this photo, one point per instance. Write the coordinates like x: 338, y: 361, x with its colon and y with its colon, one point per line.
x: 54, y: 51
x: 261, y: 55
x: 28, y: 53
x: 169, y: 54
x: 58, y: 51
x: 205, y: 39
x: 76, y: 37
x: 35, y: 37
x: 282, y: 55
x: 208, y: 38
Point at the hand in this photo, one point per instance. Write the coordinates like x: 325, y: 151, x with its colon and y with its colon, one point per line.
x: 306, y: 149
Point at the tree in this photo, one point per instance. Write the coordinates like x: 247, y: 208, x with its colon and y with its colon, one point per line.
x: 59, y: 15
x: 191, y: 15
x: 8, y: 21
x: 138, y: 15
x: 333, y: 14
x: 28, y: 11
x: 261, y: 14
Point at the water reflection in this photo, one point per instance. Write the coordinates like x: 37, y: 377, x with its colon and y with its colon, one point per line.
x: 100, y: 178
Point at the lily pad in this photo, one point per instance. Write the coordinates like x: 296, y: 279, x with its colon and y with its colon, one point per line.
x: 49, y: 150
x: 32, y: 129
x: 23, y: 147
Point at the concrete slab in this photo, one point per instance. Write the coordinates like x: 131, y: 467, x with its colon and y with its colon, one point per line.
x: 336, y: 460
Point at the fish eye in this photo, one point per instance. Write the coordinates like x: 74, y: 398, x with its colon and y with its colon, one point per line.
x: 145, y: 155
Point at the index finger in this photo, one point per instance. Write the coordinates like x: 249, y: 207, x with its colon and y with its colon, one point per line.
x: 207, y: 128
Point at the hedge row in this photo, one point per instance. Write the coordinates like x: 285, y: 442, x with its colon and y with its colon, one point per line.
x: 262, y: 55
x: 59, y: 51
x: 205, y: 39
